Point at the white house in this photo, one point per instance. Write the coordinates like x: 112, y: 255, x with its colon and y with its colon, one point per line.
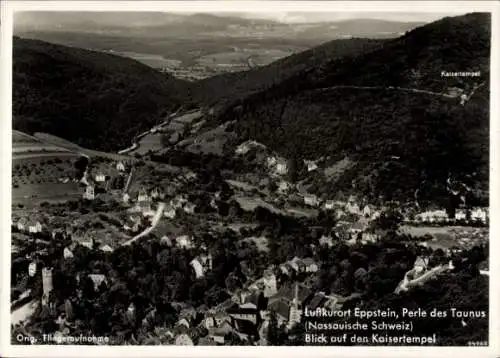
x: 120, y: 166
x: 479, y: 214
x: 106, y: 248
x: 310, y: 265
x: 311, y: 200
x: 189, y: 208
x: 329, y: 205
x: 326, y: 241
x: 125, y: 198
x: 421, y: 264
x: 460, y: 215
x: 270, y: 285
x: 32, y: 269
x: 98, y: 279
x: 89, y: 193
x: 352, y: 208
x: 367, y: 211
x: 197, y: 268
x: 169, y: 212
x: 143, y: 196
x: 100, y: 178
x: 22, y: 224
x: 311, y: 165
x: 281, y: 168
x: 35, y: 227
x: 184, y: 242
x: 67, y: 253
x: 87, y: 243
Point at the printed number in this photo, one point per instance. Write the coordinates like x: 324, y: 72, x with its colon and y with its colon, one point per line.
x: 477, y: 344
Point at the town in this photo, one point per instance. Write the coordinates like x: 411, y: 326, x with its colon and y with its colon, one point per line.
x: 251, y: 256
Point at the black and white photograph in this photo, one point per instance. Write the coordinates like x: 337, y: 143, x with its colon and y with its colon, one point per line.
x: 250, y: 177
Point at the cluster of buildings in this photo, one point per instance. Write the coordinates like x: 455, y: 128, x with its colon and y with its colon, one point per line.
x: 441, y: 216
x: 28, y: 225
x: 102, y: 180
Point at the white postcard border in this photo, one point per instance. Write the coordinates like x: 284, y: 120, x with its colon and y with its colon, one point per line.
x: 7, y: 8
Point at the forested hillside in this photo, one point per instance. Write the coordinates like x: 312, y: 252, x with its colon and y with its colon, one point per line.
x: 389, y: 110
x: 229, y: 87
x: 96, y: 100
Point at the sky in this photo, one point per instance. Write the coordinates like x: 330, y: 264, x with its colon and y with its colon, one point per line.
x: 298, y: 17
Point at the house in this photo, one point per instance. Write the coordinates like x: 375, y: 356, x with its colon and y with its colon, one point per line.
x: 479, y: 214
x: 67, y: 253
x: 369, y: 237
x: 311, y: 165
x: 440, y: 215
x: 169, y: 212
x: 184, y: 242
x: 120, y: 166
x: 249, y: 313
x: 281, y: 168
x: 100, y: 178
x: 326, y: 241
x: 367, y: 211
x: 288, y: 303
x: 294, y: 264
x: 22, y: 224
x: 197, y: 268
x: 32, y: 269
x: 329, y: 205
x: 484, y: 268
x: 352, y: 208
x: 189, y: 208
x: 460, y: 215
x: 106, y: 248
x: 143, y: 196
x: 421, y: 264
x: 310, y: 265
x: 270, y: 285
x: 125, y: 198
x: 87, y: 243
x: 157, y: 193
x: 284, y: 187
x: 34, y: 227
x: 183, y: 340
x: 89, y: 193
x: 311, y: 200
x: 98, y: 279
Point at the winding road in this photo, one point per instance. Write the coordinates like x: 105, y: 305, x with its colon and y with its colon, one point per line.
x: 401, y: 89
x: 172, y: 117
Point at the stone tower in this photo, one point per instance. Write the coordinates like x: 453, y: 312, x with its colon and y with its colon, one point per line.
x: 47, y: 281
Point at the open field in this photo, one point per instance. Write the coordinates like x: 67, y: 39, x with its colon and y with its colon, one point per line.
x: 27, y: 194
x: 449, y: 236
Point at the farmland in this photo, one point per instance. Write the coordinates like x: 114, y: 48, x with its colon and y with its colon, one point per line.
x: 41, y: 171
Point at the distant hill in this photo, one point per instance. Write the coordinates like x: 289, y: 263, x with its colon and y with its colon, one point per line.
x: 228, y: 87
x: 366, y: 108
x: 95, y: 100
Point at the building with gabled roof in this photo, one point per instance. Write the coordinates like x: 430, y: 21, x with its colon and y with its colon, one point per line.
x: 98, y: 279
x: 421, y: 264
